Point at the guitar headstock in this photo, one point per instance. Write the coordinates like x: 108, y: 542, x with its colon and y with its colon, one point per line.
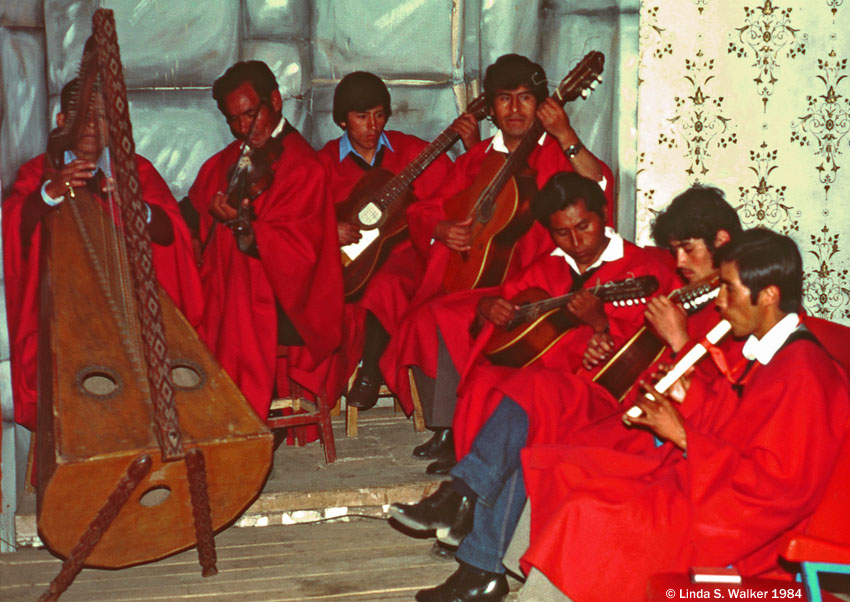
x: 695, y: 296
x: 478, y: 107
x: 628, y: 292
x: 583, y: 78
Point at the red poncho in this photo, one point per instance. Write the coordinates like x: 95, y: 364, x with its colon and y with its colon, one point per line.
x: 755, y: 468
x: 416, y: 342
x: 299, y: 268
x: 391, y: 287
x: 555, y: 399
x: 174, y: 264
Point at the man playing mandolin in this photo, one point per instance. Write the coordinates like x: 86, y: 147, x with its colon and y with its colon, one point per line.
x: 435, y: 332
x: 543, y: 405
x: 282, y: 288
x: 43, y: 184
x: 360, y: 163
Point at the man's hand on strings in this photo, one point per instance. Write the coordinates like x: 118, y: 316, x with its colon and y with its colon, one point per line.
x: 599, y: 348
x: 588, y: 308
x: 660, y: 416
x: 497, y: 310
x: 555, y: 121
x: 73, y: 175
x: 466, y: 126
x: 669, y: 321
x: 457, y: 236
x: 221, y: 210
x: 348, y: 233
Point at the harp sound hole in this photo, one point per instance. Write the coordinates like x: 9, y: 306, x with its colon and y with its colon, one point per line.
x: 99, y: 383
x: 186, y: 374
x: 155, y: 496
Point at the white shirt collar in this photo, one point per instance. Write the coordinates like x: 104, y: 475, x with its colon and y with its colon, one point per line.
x: 765, y: 348
x: 498, y: 142
x: 613, y: 251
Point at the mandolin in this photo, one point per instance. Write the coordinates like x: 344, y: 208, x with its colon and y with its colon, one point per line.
x: 538, y: 323
x: 377, y: 205
x: 145, y: 445
x: 643, y: 349
x: 498, y: 199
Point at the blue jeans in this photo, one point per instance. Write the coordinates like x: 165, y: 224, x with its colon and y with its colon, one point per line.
x: 492, y: 469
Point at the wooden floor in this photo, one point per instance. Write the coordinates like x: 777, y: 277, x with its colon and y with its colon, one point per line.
x: 266, y: 558
x: 363, y: 561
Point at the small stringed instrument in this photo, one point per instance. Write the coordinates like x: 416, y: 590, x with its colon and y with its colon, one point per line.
x: 621, y: 372
x: 381, y: 216
x: 541, y: 321
x: 146, y: 447
x: 499, y: 203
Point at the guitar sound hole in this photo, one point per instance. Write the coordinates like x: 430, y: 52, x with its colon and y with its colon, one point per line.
x: 99, y: 382
x: 369, y: 215
x: 155, y: 496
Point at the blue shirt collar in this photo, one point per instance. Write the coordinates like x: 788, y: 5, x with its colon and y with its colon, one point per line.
x: 102, y: 161
x: 345, y: 147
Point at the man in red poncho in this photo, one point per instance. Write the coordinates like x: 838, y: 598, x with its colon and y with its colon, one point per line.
x: 436, y: 329
x: 271, y: 269
x: 39, y: 189
x: 361, y: 107
x: 749, y: 464
x: 542, y: 404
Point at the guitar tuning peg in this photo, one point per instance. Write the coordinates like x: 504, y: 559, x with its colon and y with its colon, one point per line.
x: 599, y: 78
x: 593, y: 84
x: 629, y: 302
x: 585, y: 93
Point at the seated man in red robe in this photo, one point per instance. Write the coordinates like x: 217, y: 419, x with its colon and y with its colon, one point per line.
x: 503, y: 410
x: 39, y: 189
x: 361, y: 107
x: 749, y: 464
x: 271, y: 271
x: 435, y: 332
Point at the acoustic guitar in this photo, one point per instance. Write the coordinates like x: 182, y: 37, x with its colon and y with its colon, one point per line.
x: 145, y: 445
x: 499, y: 203
x: 541, y: 321
x: 377, y: 205
x: 621, y: 372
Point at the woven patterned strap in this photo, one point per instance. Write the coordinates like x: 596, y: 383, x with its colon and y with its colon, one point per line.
x: 138, y: 242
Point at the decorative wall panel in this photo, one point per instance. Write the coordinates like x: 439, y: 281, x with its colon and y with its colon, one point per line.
x: 753, y: 98
x: 273, y: 19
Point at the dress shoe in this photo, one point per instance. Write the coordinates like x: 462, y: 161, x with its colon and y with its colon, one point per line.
x: 440, y: 551
x: 468, y: 584
x: 438, y: 445
x: 442, y: 465
x: 363, y: 393
x: 436, y: 511
x: 461, y: 526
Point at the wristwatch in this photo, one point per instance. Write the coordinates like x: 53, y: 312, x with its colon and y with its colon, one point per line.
x: 573, y: 150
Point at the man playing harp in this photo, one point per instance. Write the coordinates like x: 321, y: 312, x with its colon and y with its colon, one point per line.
x: 43, y: 183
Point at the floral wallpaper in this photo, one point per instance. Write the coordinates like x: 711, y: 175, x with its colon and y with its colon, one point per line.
x: 753, y: 97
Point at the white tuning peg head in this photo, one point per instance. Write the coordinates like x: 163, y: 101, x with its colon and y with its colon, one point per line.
x: 585, y: 93
x: 593, y: 84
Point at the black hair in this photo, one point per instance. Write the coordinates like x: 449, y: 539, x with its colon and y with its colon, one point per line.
x: 359, y: 91
x: 766, y: 258
x: 699, y: 212
x: 257, y: 73
x: 565, y: 189
x: 510, y: 71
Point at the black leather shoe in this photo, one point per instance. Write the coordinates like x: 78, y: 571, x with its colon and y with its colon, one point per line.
x: 436, y: 511
x: 468, y: 584
x: 438, y: 445
x: 363, y: 393
x: 442, y: 465
x: 461, y: 526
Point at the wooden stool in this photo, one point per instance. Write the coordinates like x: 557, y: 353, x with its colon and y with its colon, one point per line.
x: 312, y: 412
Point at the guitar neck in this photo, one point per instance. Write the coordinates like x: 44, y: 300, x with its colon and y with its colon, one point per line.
x: 405, y: 177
